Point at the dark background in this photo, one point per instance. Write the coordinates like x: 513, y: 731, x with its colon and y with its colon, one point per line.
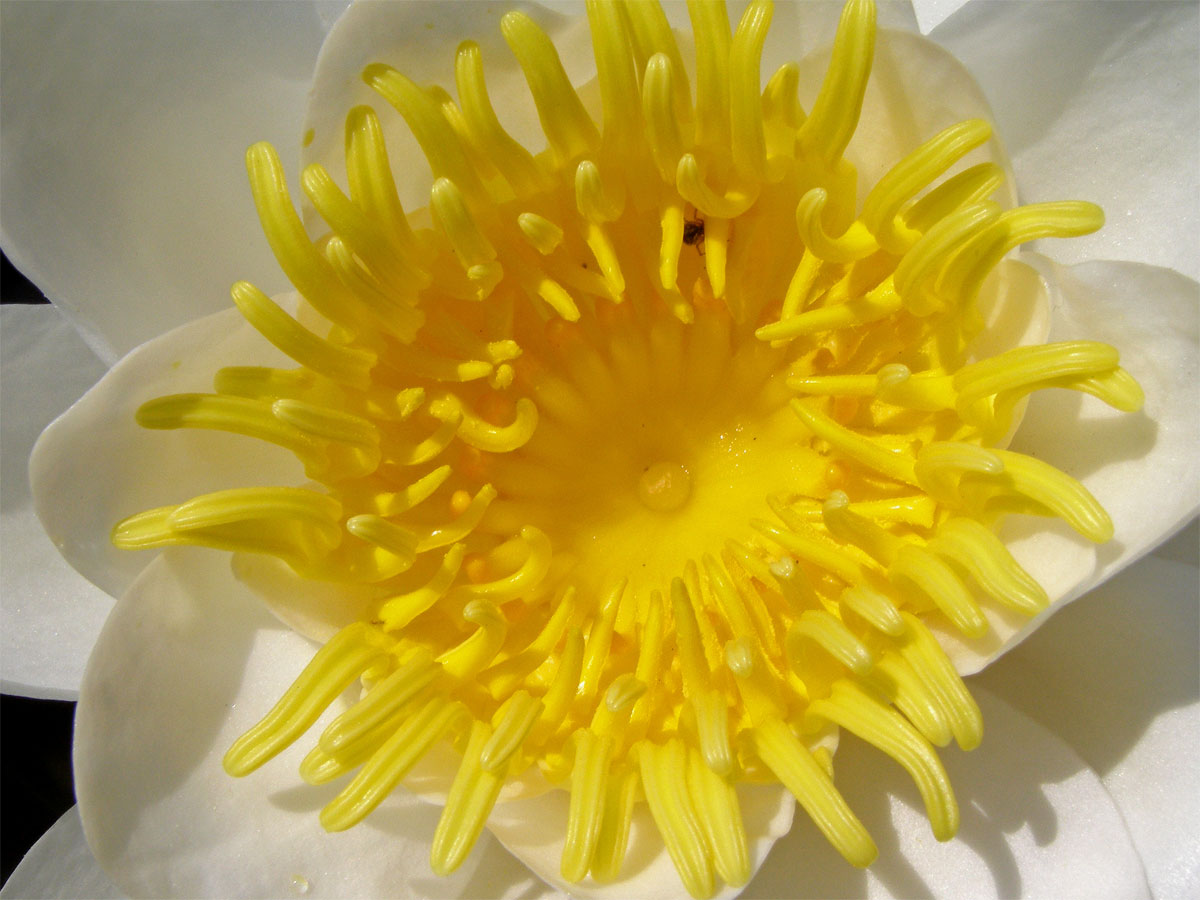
x: 35, y: 735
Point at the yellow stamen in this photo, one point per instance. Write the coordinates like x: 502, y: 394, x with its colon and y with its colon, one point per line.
x: 660, y: 448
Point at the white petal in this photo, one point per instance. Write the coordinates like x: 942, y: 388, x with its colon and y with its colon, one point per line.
x: 60, y: 866
x: 535, y: 830
x: 1097, y: 102
x: 1116, y: 676
x: 51, y: 615
x: 188, y: 661
x: 121, y: 157
x: 95, y: 465
x: 931, y: 13
x: 1036, y: 822
x: 1142, y: 467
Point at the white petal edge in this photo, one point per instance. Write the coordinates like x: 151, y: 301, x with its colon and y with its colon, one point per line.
x: 188, y: 661
x: 1142, y: 467
x: 49, y: 615
x: 1059, y: 76
x: 60, y: 867
x: 121, y: 163
x: 1036, y: 822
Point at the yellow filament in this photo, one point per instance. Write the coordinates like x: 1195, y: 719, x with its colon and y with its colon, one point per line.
x: 615, y: 71
x: 984, y: 556
x: 745, y: 106
x: 832, y: 636
x: 294, y: 524
x: 369, y: 244
x: 347, y: 364
x: 400, y: 610
x: 875, y: 608
x: 651, y: 34
x: 449, y: 207
x: 304, y: 266
x: 515, y: 720
x: 595, y: 199
x: 811, y: 785
x: 720, y: 815
x: 395, y: 540
x: 969, y: 187
x: 372, y: 186
x: 390, y: 763
x: 514, y: 161
x: 393, y: 503
x: 664, y: 777
x: 568, y: 127
x: 328, y: 424
x: 664, y: 131
x: 463, y: 525
x: 609, y: 853
x: 710, y: 26
x: 935, y: 579
x: 473, y: 655
x: 433, y: 132
x: 541, y: 233
x: 381, y: 702
x: 335, y: 666
x: 483, y: 435
x: 876, y: 305
x: 855, y: 710
x: 472, y: 796
x: 835, y: 113
x: 861, y: 449
x: 588, y: 783
x: 912, y: 174
x: 856, y: 243
x: 1055, y: 492
x: 935, y: 670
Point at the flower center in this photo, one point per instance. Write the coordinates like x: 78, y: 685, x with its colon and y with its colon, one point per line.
x: 664, y: 486
x: 659, y: 451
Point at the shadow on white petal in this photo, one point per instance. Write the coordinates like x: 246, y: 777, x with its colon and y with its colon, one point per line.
x: 1036, y: 822
x: 1117, y: 676
x: 1143, y: 467
x: 534, y: 830
x: 186, y: 663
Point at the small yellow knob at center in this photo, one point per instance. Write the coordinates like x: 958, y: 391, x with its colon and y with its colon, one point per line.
x: 664, y: 486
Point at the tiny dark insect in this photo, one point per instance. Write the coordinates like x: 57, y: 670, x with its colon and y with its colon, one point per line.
x: 693, y: 232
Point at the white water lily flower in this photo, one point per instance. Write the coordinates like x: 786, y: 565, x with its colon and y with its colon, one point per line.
x: 185, y: 612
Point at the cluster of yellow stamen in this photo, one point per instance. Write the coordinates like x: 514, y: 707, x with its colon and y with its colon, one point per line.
x: 660, y: 449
